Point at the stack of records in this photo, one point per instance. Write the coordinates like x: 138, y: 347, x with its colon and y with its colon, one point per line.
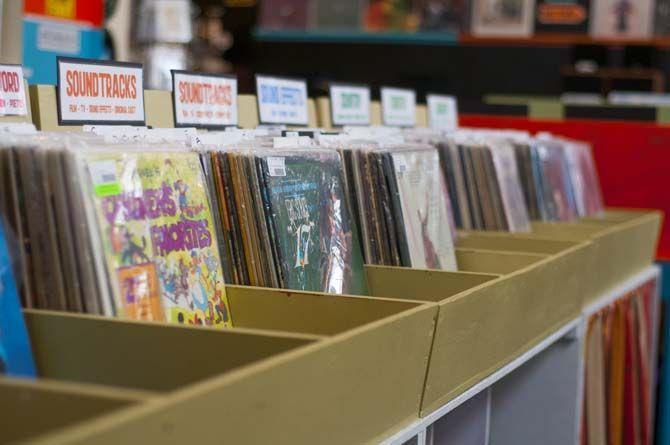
x: 559, y: 179
x: 114, y: 230
x: 285, y: 219
x: 401, y: 204
x: 501, y: 179
x: 484, y: 182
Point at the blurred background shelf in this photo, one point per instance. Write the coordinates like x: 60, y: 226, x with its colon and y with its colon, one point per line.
x: 444, y: 38
x: 356, y: 36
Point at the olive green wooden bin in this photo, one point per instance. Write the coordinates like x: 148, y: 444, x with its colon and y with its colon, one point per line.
x: 507, y: 303
x: 300, y: 364
x: 30, y: 408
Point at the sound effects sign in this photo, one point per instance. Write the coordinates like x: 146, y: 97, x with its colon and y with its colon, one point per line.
x: 282, y: 100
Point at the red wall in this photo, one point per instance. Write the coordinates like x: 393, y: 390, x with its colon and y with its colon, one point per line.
x: 633, y: 159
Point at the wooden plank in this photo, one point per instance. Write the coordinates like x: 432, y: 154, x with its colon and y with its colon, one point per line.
x: 149, y: 356
x: 307, y: 312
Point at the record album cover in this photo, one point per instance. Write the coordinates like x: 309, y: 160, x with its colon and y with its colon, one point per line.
x: 622, y: 18
x: 16, y: 357
x: 662, y: 18
x: 158, y: 236
x: 492, y: 18
x: 311, y: 220
x: 424, y: 201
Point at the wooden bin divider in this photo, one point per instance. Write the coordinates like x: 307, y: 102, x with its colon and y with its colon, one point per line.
x: 487, y: 320
x: 494, y: 262
x: 343, y: 389
x: 31, y: 408
x: 143, y: 355
x: 307, y: 312
x: 624, y: 241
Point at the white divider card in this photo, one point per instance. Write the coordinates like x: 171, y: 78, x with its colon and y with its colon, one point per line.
x: 13, y: 101
x: 204, y: 100
x: 350, y: 104
x: 442, y: 112
x: 282, y: 100
x: 398, y: 107
x: 100, y: 92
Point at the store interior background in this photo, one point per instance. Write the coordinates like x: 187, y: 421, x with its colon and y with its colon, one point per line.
x: 543, y: 81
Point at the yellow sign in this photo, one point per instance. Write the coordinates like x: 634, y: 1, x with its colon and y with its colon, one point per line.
x: 61, y: 8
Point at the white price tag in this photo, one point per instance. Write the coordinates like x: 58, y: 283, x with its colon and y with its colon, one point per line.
x: 96, y: 92
x: 104, y: 178
x: 276, y: 166
x: 398, y: 107
x: 282, y: 101
x: 350, y: 105
x: 442, y: 112
x: 204, y: 100
x: 13, y: 100
x: 400, y: 164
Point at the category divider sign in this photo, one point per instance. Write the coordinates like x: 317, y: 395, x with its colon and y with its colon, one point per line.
x: 13, y: 101
x: 350, y: 104
x: 398, y: 107
x: 99, y: 92
x: 442, y: 112
x: 204, y: 100
x: 282, y: 100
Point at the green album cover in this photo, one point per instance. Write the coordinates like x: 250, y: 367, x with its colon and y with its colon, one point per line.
x: 311, y: 222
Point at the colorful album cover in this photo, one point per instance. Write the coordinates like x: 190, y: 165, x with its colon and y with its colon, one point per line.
x: 424, y: 199
x: 158, y: 235
x: 502, y: 18
x: 444, y: 15
x: 311, y: 221
x: 16, y: 358
x: 622, y: 18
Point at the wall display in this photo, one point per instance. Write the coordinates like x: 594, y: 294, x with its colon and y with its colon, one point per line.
x: 503, y: 18
x: 204, y: 100
x: 562, y: 16
x: 339, y: 15
x: 287, y: 14
x: 90, y: 11
x: 45, y: 39
x: 445, y: 15
x: 662, y: 18
x: 622, y: 18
